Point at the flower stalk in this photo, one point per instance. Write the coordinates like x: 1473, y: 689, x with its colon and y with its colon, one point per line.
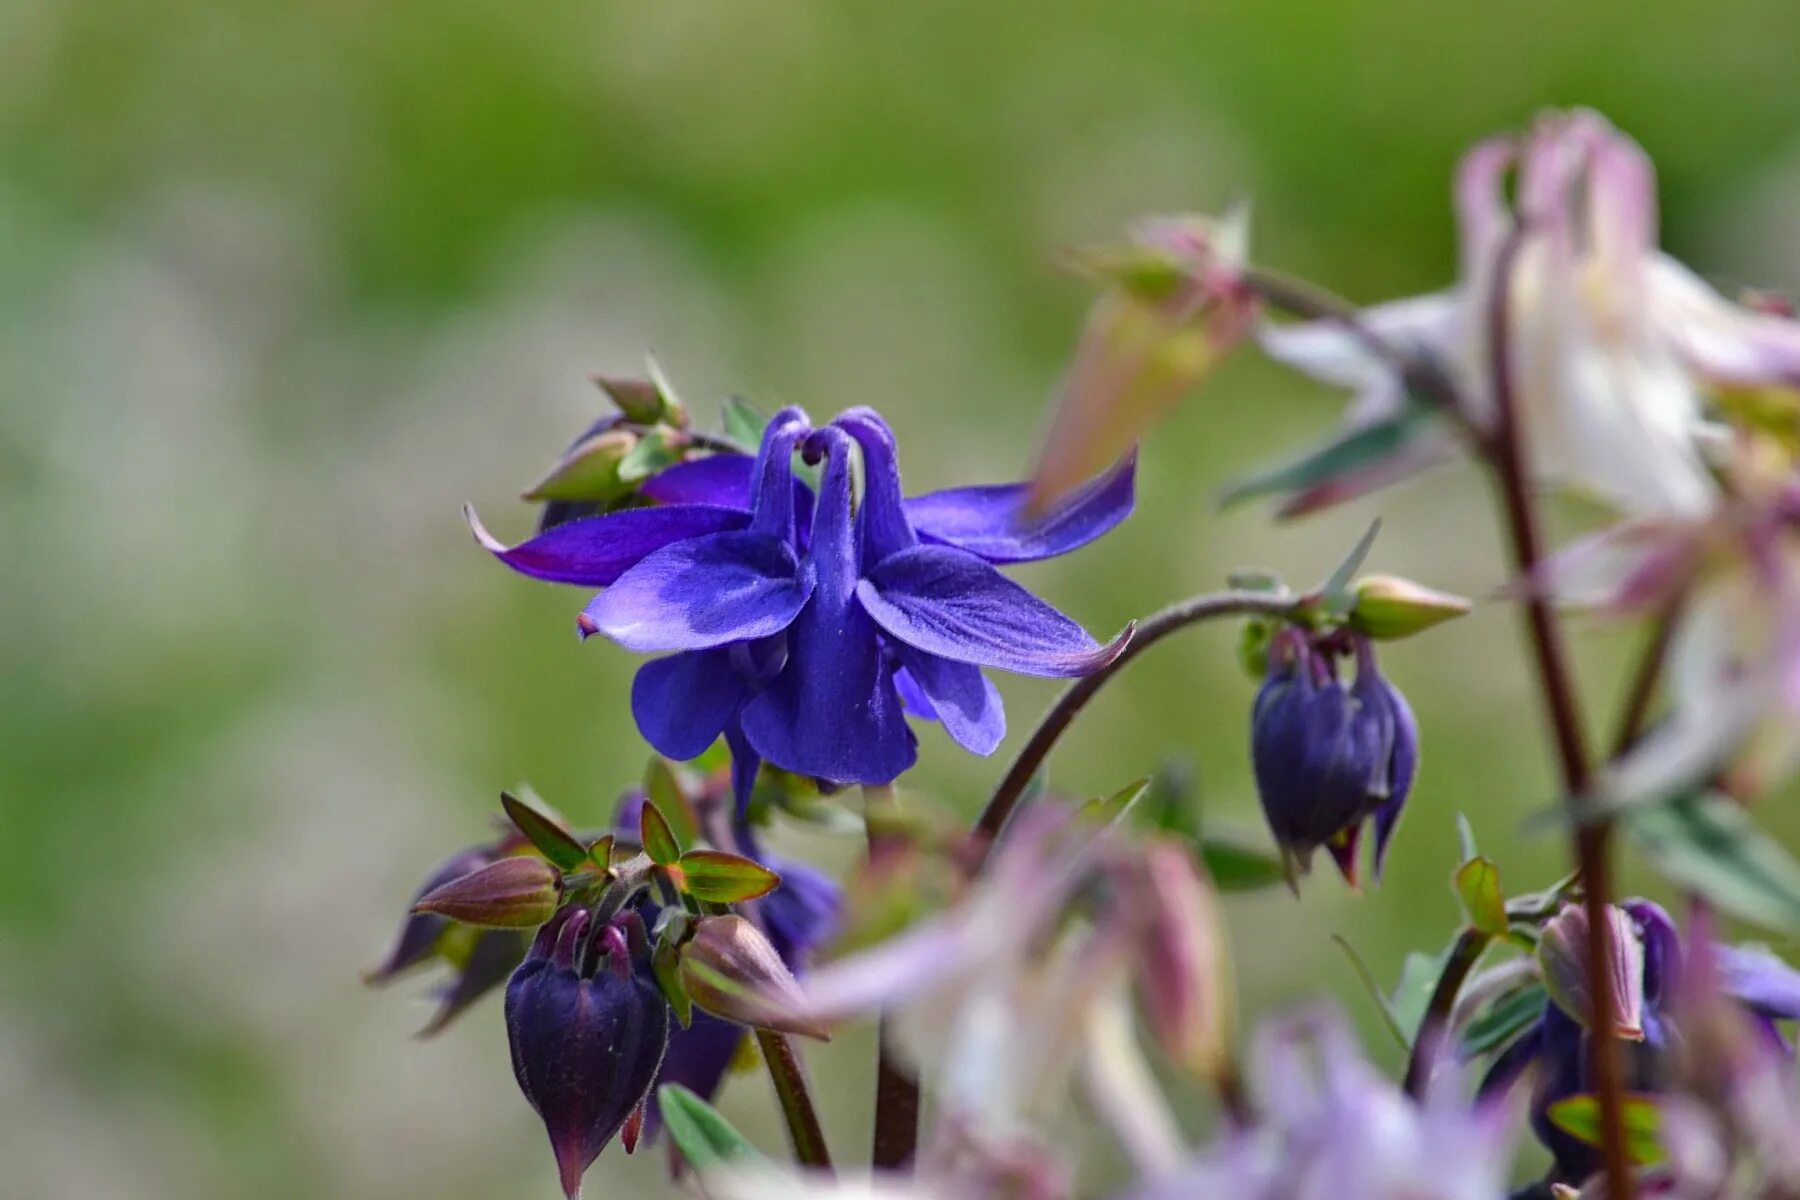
x: 896, y: 1137
x: 1504, y: 452
x: 791, y: 1091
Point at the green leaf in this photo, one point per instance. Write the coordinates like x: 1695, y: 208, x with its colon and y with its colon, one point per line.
x: 720, y: 878
x: 665, y: 965
x: 1710, y: 844
x: 657, y: 839
x: 673, y: 408
x: 601, y: 851
x: 1579, y: 1116
x: 1238, y: 867
x: 655, y: 451
x: 1335, y: 592
x: 744, y: 422
x: 1478, y: 887
x: 1465, y: 837
x: 1110, y: 809
x: 662, y: 785
x: 1503, y: 1020
x: 1343, y: 455
x: 1403, y: 1024
x: 704, y: 1138
x: 545, y: 832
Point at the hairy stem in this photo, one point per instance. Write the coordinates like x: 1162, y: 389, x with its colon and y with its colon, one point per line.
x: 791, y: 1091
x: 896, y: 1088
x: 1463, y: 957
x: 1056, y: 721
x: 1506, y: 455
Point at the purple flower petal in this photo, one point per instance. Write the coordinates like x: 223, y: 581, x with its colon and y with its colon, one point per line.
x: 722, y: 480
x: 682, y: 703
x: 1760, y: 981
x: 917, y: 703
x: 992, y: 522
x: 595, y: 551
x: 833, y: 711
x: 951, y: 604
x: 963, y: 699
x: 702, y: 592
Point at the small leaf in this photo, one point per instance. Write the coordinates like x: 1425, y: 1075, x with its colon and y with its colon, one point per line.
x: 1111, y: 809
x: 1343, y: 455
x: 1402, y: 1037
x: 1335, y: 592
x: 1503, y: 1020
x: 662, y: 784
x: 545, y: 832
x: 716, y: 877
x: 1710, y: 844
x: 704, y: 1138
x: 744, y: 422
x: 674, y: 411
x: 1419, y: 975
x: 1238, y: 867
x: 1579, y: 1116
x: 654, y: 452
x: 1465, y: 838
x: 1478, y: 887
x: 601, y: 852
x: 665, y: 965
x: 657, y: 839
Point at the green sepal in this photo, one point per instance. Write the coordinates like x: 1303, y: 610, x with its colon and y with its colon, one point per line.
x: 716, y: 877
x: 546, y: 832
x: 656, y: 837
x: 1579, y: 1116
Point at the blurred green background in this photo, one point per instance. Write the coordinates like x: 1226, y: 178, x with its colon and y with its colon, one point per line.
x: 282, y: 282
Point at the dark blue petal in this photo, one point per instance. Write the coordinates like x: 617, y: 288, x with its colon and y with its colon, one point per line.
x: 682, y: 703
x: 1510, y: 1065
x: 833, y: 711
x: 595, y: 551
x: 949, y: 603
x: 884, y: 527
x: 722, y: 480
x: 491, y: 959
x: 993, y: 521
x: 697, y: 1059
x: 1760, y: 981
x: 745, y: 763
x: 702, y: 592
x: 912, y: 696
x: 963, y: 699
x: 1662, y: 947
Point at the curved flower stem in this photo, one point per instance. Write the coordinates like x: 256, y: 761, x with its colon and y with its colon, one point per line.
x: 1061, y: 714
x: 1648, y: 676
x: 1506, y: 455
x: 896, y: 1088
x: 796, y: 1101
x: 1463, y: 957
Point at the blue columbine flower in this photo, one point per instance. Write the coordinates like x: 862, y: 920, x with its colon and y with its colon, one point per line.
x: 797, y: 626
x: 1767, y: 989
x: 1329, y: 757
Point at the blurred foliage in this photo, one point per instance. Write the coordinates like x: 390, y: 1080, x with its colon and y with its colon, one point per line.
x: 285, y: 282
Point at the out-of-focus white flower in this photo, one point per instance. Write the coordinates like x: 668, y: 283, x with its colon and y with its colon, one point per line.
x: 1614, y: 346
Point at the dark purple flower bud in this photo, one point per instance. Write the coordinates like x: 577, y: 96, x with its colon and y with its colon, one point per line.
x: 1563, y: 952
x: 520, y: 891
x: 587, y: 1032
x: 1327, y: 757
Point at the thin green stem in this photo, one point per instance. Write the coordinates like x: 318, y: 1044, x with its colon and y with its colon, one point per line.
x: 1463, y: 956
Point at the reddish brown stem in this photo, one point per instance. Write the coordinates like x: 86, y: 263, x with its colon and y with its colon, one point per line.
x: 1506, y: 455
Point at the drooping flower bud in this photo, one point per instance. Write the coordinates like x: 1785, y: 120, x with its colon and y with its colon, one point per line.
x: 1185, y: 974
x: 587, y: 1032
x: 1562, y: 954
x: 518, y: 892
x: 1327, y: 757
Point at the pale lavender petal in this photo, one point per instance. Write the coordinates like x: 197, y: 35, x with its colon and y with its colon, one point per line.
x: 702, y: 592
x: 951, y: 604
x: 595, y: 551
x: 963, y: 699
x: 682, y: 703
x: 1725, y: 342
x: 1481, y: 215
x: 913, y: 696
x: 1761, y: 981
x: 992, y: 522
